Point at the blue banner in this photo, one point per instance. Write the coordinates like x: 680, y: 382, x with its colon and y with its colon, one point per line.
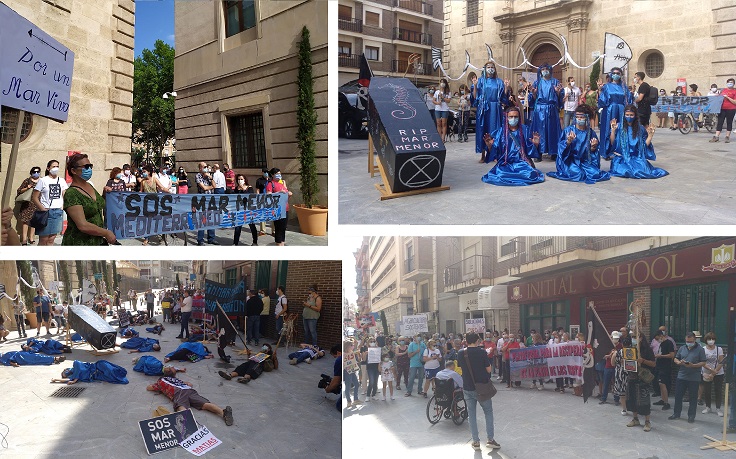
x: 132, y: 215
x: 687, y: 104
x: 232, y: 299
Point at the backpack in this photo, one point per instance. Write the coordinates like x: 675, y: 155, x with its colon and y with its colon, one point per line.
x: 653, y: 96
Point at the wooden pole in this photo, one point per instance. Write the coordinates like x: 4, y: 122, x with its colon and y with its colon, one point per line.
x: 8, y: 187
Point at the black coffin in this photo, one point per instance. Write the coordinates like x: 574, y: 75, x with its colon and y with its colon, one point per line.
x: 404, y: 135
x: 92, y: 327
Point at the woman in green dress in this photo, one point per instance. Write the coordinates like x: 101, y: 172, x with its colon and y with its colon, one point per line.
x: 84, y: 207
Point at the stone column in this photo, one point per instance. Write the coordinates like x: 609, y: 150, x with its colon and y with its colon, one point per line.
x: 508, y: 48
x: 577, y: 26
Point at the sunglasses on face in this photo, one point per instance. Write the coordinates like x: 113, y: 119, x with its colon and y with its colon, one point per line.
x: 86, y: 166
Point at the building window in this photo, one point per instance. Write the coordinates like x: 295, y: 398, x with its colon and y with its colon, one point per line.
x: 471, y: 12
x: 687, y: 308
x: 344, y: 13
x: 654, y: 64
x: 10, y: 124
x: 231, y: 277
x: 371, y: 53
x: 240, y: 15
x: 546, y: 316
x: 372, y: 19
x: 508, y: 245
x: 410, y: 266
x: 344, y: 48
x: 247, y: 141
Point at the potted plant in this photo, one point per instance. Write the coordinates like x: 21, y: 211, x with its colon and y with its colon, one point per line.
x: 312, y: 217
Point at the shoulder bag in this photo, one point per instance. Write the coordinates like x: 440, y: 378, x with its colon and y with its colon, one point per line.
x: 41, y: 217
x: 485, y: 390
x: 708, y: 376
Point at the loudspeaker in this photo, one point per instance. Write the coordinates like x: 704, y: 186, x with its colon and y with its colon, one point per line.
x: 91, y: 327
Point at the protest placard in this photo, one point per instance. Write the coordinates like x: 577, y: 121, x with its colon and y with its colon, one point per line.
x: 166, y: 432
x: 200, y: 442
x: 374, y: 355
x: 548, y: 361
x: 350, y: 363
x: 134, y: 215
x: 365, y: 321
x: 475, y: 325
x: 414, y: 324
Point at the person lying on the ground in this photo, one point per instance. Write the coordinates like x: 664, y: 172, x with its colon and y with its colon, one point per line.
x: 193, y: 352
x: 157, y: 329
x: 99, y: 371
x: 18, y: 358
x: 254, y: 366
x: 185, y: 397
x: 307, y: 353
x: 129, y: 332
x: 151, y: 366
x: 139, y: 344
x: 49, y: 346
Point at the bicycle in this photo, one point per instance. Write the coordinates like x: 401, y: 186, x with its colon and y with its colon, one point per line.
x: 447, y: 403
x: 686, y: 122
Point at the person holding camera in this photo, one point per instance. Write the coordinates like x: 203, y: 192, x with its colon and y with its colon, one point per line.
x: 336, y: 382
x: 690, y: 358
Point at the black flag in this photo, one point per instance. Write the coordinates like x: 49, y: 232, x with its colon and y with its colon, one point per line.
x: 602, y: 345
x: 365, y: 75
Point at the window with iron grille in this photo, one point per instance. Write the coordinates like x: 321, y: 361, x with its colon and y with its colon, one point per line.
x: 247, y: 140
x: 240, y: 15
x: 689, y: 308
x: 344, y: 13
x: 10, y: 124
x: 471, y: 13
x: 547, y: 316
x: 371, y: 53
x: 654, y: 64
x: 231, y: 277
x: 344, y: 48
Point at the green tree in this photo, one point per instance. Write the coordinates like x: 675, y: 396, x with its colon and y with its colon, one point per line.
x: 80, y: 272
x: 106, y: 277
x: 65, y: 280
x: 115, y: 279
x: 384, y: 323
x: 306, y: 121
x: 153, y: 116
x: 595, y: 72
x: 24, y: 271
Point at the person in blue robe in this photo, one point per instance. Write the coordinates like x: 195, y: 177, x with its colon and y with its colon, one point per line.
x: 139, y: 344
x: 99, y: 371
x: 157, y: 329
x: 513, y: 147
x: 19, y: 358
x: 151, y: 366
x: 612, y: 98
x: 631, y: 147
x: 578, y: 158
x: 548, y: 99
x: 490, y: 96
x: 49, y: 346
x: 193, y: 352
x: 129, y: 332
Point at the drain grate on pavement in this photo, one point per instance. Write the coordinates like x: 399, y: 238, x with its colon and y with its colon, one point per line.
x: 68, y: 392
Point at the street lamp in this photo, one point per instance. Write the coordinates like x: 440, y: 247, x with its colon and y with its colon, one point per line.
x: 167, y: 94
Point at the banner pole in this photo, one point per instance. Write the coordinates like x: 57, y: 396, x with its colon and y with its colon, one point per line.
x: 231, y: 324
x: 8, y: 187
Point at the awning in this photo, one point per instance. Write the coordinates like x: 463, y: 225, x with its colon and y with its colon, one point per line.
x: 493, y: 297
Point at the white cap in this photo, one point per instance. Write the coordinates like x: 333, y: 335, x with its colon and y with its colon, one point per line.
x: 616, y: 335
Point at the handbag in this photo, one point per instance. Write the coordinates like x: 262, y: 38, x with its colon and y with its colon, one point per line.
x: 485, y: 390
x: 646, y: 375
x: 24, y: 196
x: 41, y: 217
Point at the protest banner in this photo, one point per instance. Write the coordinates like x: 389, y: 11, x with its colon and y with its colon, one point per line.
x: 412, y: 325
x: 350, y: 363
x: 232, y: 299
x: 200, y: 442
x: 198, y: 308
x: 688, y: 104
x: 365, y: 321
x: 475, y: 325
x: 166, y: 432
x: 374, y: 355
x: 549, y: 361
x: 134, y: 215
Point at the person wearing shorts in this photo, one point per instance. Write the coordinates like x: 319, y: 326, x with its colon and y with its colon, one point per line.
x: 42, y: 303
x: 49, y: 195
x: 185, y: 397
x: 431, y: 358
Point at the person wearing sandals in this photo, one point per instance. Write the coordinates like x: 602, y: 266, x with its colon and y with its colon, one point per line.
x: 49, y: 195
x: 638, y: 391
x: 728, y: 110
x: 431, y: 358
x: 27, y: 208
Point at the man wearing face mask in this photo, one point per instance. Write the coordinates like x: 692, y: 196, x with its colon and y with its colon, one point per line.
x: 571, y: 97
x: 128, y: 178
x: 464, y: 106
x: 205, y: 186
x: 546, y: 117
x: 251, y: 368
x: 690, y: 358
x: 489, y: 94
x: 644, y: 108
x: 218, y: 180
x: 416, y: 368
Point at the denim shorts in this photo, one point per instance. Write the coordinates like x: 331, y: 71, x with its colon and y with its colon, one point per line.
x: 56, y: 218
x: 441, y: 114
x: 431, y: 373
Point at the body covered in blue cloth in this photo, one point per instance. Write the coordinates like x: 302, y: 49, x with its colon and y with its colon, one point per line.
x: 612, y: 98
x: 578, y: 159
x: 546, y: 116
x: 632, y: 149
x: 99, y: 371
x: 489, y: 95
x: 193, y: 352
x: 139, y: 344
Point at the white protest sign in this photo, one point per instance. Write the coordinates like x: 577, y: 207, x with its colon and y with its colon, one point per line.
x: 475, y: 325
x: 617, y: 51
x: 414, y: 324
x: 35, y: 69
x: 200, y: 442
x: 374, y: 355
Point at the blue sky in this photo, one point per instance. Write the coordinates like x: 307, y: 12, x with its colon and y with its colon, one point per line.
x: 154, y: 20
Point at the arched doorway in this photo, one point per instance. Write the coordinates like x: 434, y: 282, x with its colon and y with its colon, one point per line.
x: 549, y: 54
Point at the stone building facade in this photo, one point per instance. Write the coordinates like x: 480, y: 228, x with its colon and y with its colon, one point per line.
x: 235, y: 78
x: 101, y: 35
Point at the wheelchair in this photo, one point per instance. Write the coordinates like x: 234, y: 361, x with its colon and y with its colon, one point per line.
x: 446, y: 402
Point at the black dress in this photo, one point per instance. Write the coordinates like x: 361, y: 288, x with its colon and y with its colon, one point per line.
x: 252, y: 226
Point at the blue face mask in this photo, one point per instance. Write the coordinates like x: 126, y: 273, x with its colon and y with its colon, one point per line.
x: 629, y: 119
x: 513, y: 121
x: 144, y: 175
x: 277, y: 176
x: 36, y: 174
x: 265, y: 175
x: 581, y: 123
x: 86, y: 174
x: 119, y: 176
x: 545, y: 73
x: 689, y: 345
x: 634, y: 341
x: 616, y: 77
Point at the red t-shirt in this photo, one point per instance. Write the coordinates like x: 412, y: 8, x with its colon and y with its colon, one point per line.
x: 277, y: 187
x: 230, y: 179
x: 514, y: 345
x: 490, y: 347
x: 608, y: 358
x: 169, y: 385
x: 727, y: 104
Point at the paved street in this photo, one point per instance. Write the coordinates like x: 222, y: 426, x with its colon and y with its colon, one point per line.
x: 699, y: 190
x: 528, y: 424
x: 281, y: 414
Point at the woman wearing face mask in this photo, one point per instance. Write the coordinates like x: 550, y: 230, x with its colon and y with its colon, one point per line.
x: 712, y: 373
x: 638, y: 392
x: 579, y: 159
x: 182, y: 181
x: 84, y: 206
x: 621, y: 376
x: 512, y: 146
x: 242, y: 187
x: 676, y: 116
x: 276, y: 185
x: 388, y: 373
x: 26, y: 207
x: 148, y: 184
x: 372, y: 368
x: 631, y: 148
x: 402, y: 362
x: 590, y: 98
x: 548, y: 96
x: 728, y: 110
x: 662, y: 116
x: 441, y: 109
x: 612, y: 99
x: 431, y: 358
x: 464, y: 110
x: 49, y: 195
x: 489, y: 95
x: 115, y: 183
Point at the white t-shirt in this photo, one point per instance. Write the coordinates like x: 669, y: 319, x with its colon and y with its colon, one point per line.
x: 58, y: 309
x: 429, y: 100
x: 572, y: 97
x: 218, y: 179
x: 440, y: 97
x: 128, y: 179
x: 711, y: 360
x: 280, y: 305
x: 51, y: 188
x: 464, y: 102
x: 165, y: 181
x: 186, y: 305
x: 499, y: 345
x: 431, y: 364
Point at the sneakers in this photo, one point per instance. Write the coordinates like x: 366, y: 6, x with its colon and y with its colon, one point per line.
x: 393, y: 398
x: 541, y: 387
x: 476, y: 445
x: 602, y: 402
x: 228, y: 416
x: 309, y: 361
x: 720, y: 413
x: 661, y: 402
x: 383, y: 398
x: 666, y: 406
x: 224, y: 375
x: 243, y: 380
x: 633, y: 423
x: 701, y: 402
x: 728, y: 139
x: 691, y: 420
x: 673, y: 417
x: 713, y: 140
x: 292, y: 362
x: 647, y: 426
x: 706, y: 410
x: 492, y: 444
x: 624, y: 413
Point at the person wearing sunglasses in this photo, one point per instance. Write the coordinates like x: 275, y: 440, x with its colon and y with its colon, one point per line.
x: 84, y: 207
x: 612, y: 99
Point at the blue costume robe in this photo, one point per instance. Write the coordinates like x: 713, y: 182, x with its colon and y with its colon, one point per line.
x: 149, y: 365
x: 634, y: 154
x: 102, y: 370
x: 131, y: 329
x: 612, y: 98
x: 142, y: 344
x: 193, y: 348
x: 546, y: 114
x: 576, y: 162
x: 25, y: 358
x: 511, y: 168
x: 490, y: 96
x: 49, y: 346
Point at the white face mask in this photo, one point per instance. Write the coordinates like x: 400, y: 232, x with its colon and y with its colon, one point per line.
x: 54, y: 171
x: 241, y: 182
x: 127, y: 172
x: 729, y: 84
x: 442, y: 85
x: 572, y: 84
x: 557, y: 340
x: 711, y: 342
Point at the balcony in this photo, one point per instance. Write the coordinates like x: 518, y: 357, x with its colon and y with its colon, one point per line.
x: 414, y: 272
x: 412, y: 36
x: 420, y: 68
x: 470, y: 272
x: 350, y: 25
x: 415, y: 6
x: 348, y: 60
